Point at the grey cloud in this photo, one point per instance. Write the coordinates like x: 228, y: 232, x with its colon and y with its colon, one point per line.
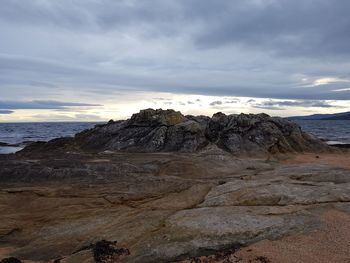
x: 287, y: 28
x: 214, y: 103
x: 281, y: 105
x: 243, y: 48
x: 93, y: 16
x: 225, y: 101
x: 284, y: 27
x: 41, y: 104
x: 266, y: 107
x: 54, y: 75
x: 36, y: 12
x: 6, y: 111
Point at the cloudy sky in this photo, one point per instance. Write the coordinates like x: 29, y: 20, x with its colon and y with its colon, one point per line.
x: 105, y: 59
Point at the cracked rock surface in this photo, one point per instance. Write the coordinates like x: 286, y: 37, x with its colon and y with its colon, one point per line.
x: 161, y: 207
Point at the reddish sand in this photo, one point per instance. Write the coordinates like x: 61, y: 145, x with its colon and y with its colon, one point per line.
x: 330, y: 243
x: 338, y: 160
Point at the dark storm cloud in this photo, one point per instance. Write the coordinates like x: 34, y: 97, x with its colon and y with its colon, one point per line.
x: 38, y: 104
x: 248, y: 48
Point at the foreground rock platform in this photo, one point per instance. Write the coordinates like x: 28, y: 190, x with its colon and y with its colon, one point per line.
x: 162, y: 207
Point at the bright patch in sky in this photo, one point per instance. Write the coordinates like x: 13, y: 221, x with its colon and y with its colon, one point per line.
x: 325, y: 81
x: 186, y: 103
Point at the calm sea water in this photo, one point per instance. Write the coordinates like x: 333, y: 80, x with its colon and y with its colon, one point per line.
x: 19, y: 133
x: 335, y: 131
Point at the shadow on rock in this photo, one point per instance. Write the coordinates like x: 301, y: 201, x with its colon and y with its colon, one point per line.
x: 10, y: 260
x: 106, y: 251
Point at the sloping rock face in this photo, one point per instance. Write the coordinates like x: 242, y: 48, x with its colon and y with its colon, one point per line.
x: 168, y: 130
x: 148, y: 131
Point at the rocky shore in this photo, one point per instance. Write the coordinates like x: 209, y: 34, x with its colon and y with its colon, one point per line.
x: 164, y: 187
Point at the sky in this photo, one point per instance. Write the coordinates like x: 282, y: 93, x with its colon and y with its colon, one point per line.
x: 95, y: 60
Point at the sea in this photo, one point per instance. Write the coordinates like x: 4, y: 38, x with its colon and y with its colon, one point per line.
x: 14, y: 136
x: 18, y: 135
x: 330, y: 131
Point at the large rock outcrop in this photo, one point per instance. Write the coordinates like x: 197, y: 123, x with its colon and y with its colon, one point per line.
x: 168, y: 130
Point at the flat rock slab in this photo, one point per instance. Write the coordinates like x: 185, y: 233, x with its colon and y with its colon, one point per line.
x: 157, y: 208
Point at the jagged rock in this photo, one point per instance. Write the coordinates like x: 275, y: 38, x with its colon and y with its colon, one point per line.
x: 168, y: 131
x: 150, y: 117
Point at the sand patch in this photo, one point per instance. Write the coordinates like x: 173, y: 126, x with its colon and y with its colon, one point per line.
x: 330, y: 243
x: 338, y: 160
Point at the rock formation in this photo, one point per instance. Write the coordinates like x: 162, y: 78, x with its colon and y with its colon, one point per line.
x: 168, y: 131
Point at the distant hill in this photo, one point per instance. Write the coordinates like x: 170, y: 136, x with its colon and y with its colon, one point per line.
x: 335, y: 116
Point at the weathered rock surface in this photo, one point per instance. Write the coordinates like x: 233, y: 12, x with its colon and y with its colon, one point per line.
x: 160, y: 207
x: 168, y: 131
